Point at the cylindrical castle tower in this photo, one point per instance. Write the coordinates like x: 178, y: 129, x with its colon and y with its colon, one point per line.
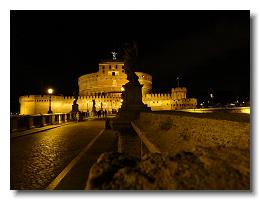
x: 109, y: 80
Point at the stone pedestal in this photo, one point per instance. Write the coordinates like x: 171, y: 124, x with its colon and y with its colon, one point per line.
x: 43, y: 120
x: 131, y: 107
x: 30, y: 122
x: 75, y: 108
x: 52, y: 119
x: 94, y: 112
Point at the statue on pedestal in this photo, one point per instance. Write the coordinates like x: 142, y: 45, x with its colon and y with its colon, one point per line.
x: 130, y: 58
x: 94, y: 111
x: 75, y: 106
x: 132, y: 103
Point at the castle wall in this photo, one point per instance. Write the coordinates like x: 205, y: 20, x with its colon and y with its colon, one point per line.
x: 169, y: 101
x: 108, y: 103
x: 27, y: 105
x: 158, y: 101
x: 39, y: 104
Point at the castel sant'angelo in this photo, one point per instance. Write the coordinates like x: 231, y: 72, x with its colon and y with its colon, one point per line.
x: 105, y: 87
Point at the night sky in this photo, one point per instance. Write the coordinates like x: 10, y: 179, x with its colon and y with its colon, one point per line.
x: 208, y: 50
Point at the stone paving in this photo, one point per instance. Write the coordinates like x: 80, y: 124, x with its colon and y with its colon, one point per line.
x: 36, y: 159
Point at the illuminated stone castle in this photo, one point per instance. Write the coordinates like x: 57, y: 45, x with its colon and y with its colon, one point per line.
x: 105, y: 87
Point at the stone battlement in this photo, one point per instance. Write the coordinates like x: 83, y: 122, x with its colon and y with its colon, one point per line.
x: 179, y: 89
x: 157, y: 96
x: 43, y: 98
x: 96, y: 97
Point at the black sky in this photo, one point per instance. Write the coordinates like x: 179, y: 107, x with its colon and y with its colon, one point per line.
x: 209, y: 50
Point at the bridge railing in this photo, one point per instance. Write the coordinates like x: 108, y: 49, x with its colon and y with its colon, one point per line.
x: 25, y: 122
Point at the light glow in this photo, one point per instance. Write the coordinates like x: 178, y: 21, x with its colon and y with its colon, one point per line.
x: 50, y: 91
x: 245, y: 110
x: 197, y: 111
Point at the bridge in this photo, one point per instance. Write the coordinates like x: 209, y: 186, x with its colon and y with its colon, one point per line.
x: 59, y: 158
x: 54, y: 152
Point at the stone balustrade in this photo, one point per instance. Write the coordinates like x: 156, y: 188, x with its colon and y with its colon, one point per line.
x: 25, y: 122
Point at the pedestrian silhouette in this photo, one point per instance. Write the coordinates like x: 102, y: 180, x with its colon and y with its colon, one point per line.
x: 99, y: 113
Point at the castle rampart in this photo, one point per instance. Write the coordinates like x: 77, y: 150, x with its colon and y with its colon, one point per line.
x: 39, y: 104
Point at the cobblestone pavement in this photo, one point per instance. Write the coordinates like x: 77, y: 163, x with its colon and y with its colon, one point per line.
x: 37, y: 159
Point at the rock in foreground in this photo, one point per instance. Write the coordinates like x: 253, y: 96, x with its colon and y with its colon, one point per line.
x: 200, y: 169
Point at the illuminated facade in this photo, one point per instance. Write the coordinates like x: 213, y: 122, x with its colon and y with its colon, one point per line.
x: 105, y: 87
x: 109, y: 80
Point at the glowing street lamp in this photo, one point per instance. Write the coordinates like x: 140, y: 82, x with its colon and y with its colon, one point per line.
x: 211, y: 96
x: 50, y: 91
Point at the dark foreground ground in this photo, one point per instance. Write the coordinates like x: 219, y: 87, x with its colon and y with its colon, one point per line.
x: 199, y: 151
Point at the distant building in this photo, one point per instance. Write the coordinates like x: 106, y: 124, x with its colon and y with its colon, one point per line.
x: 105, y: 87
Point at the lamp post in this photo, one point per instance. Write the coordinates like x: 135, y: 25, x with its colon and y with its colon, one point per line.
x: 50, y: 91
x: 211, y: 96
